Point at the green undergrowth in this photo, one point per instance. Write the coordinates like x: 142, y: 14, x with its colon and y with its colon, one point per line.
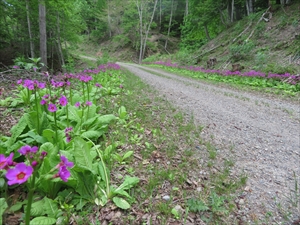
x: 262, y: 85
x: 182, y: 176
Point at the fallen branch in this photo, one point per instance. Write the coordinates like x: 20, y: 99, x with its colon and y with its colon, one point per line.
x: 242, y: 32
x: 208, y: 51
x: 261, y: 18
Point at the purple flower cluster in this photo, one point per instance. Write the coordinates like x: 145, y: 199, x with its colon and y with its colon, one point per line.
x: 18, y: 173
x: 32, y: 84
x: 53, y: 102
x: 87, y: 103
x: 294, y: 78
x: 62, y: 167
x: 68, y: 130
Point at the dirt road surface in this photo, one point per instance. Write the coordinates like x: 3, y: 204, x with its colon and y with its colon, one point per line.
x: 261, y: 132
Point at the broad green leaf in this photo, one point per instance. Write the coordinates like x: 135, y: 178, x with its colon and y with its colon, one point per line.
x: 49, y: 148
x: 42, y: 220
x: 89, y: 122
x: 2, y: 182
x: 17, y: 206
x: 74, y: 113
x: 17, y: 145
x: 127, y: 155
x: 50, y: 207
x: 128, y: 183
x: 92, y: 134
x: 121, y: 192
x: 106, y: 119
x: 16, y: 131
x: 49, y: 135
x: 37, y: 208
x: 76, y: 98
x: 122, y: 113
x: 85, y: 185
x: 83, y: 158
x: 3, y: 207
x: 121, y: 203
x: 90, y: 112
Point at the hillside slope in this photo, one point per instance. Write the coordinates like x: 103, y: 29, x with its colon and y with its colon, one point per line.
x: 268, y: 41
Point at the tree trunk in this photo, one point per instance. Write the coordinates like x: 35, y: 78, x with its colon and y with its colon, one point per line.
x: 251, y: 6
x: 43, y: 34
x: 232, y: 11
x: 147, y: 31
x: 29, y: 29
x: 186, y: 12
x: 140, y: 12
x: 62, y: 61
x: 159, y: 15
x: 108, y: 19
x: 170, y: 24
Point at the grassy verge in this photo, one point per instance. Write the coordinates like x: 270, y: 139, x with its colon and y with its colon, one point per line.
x: 183, y: 178
x: 240, y: 83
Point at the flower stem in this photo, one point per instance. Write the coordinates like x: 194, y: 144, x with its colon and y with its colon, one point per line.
x: 29, y: 198
x: 56, y: 136
x: 83, y: 92
x: 37, y: 113
x: 67, y: 111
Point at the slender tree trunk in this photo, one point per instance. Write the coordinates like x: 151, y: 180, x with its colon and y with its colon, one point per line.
x: 65, y: 41
x: 147, y: 31
x: 43, y: 34
x: 29, y: 29
x: 186, y: 12
x: 170, y: 23
x: 159, y: 15
x: 232, y: 11
x: 59, y: 45
x: 108, y: 19
x: 251, y: 6
x: 140, y: 12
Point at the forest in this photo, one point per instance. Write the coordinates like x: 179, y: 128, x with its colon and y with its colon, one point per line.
x: 48, y: 28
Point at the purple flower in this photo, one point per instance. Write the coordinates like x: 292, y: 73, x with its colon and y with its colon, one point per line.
x: 64, y: 173
x: 52, y: 107
x: 43, y: 154
x: 30, y: 87
x: 16, y: 67
x: 43, y: 102
x: 41, y: 85
x: 34, y: 163
x: 68, y: 139
x: 63, y: 100
x: 25, y: 150
x: 4, y: 162
x: 98, y: 85
x: 77, y: 104
x: 121, y: 86
x: 88, y: 103
x: 19, y: 81
x: 19, y: 174
x: 65, y: 162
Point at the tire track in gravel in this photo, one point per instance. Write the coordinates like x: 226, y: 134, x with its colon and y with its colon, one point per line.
x: 265, y: 133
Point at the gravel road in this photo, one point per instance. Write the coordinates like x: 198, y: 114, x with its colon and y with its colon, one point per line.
x: 264, y: 132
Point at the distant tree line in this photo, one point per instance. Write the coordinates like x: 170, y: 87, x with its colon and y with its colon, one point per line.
x: 45, y: 28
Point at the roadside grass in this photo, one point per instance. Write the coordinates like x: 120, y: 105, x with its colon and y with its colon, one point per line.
x: 286, y: 94
x: 183, y: 178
